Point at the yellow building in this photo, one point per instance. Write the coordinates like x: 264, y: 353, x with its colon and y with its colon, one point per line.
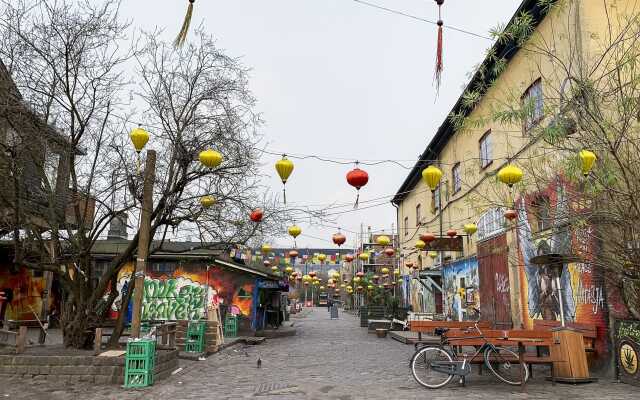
x: 514, y: 94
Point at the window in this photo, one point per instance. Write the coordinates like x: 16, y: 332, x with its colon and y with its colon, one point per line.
x: 436, y: 199
x: 51, y: 162
x: 541, y: 207
x: 486, y: 152
x: 533, y: 103
x: 164, y: 267
x: 490, y: 224
x: 457, y: 179
x: 418, y: 216
x: 406, y: 226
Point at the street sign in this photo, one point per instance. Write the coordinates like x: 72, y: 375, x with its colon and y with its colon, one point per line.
x: 445, y: 244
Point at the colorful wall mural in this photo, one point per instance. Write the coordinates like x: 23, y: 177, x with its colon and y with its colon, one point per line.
x: 422, y: 296
x: 26, y: 294
x: 583, y: 291
x: 189, y: 290
x: 461, y: 289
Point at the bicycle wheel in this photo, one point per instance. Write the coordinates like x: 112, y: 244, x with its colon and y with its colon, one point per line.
x: 505, y: 365
x: 422, y: 371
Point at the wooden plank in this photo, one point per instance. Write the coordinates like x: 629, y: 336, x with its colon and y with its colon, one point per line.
x: 21, y: 341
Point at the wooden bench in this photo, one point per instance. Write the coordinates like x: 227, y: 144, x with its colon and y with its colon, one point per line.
x: 429, y: 327
x: 589, y: 331
x: 517, y: 338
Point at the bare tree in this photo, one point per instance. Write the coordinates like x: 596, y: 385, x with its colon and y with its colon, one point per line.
x: 73, y: 63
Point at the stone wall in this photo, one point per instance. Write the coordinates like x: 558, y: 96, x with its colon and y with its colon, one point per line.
x: 98, y: 370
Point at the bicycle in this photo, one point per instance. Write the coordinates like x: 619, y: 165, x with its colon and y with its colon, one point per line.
x: 435, y: 366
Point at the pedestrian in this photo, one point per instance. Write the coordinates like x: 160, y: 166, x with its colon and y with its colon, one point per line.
x: 329, y: 304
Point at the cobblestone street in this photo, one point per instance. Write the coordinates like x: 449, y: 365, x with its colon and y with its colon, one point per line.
x: 328, y: 359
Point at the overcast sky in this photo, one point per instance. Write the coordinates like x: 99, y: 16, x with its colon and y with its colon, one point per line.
x: 338, y: 79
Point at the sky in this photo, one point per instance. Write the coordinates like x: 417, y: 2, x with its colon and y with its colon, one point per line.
x: 341, y: 80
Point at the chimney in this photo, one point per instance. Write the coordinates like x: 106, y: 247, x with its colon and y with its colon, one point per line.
x: 118, y: 227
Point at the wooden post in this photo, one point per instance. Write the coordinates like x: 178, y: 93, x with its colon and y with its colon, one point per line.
x: 97, y: 344
x: 21, y: 340
x: 143, y: 241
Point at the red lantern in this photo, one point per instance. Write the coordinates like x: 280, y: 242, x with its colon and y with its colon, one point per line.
x: 299, y: 277
x: 349, y: 258
x: 389, y: 252
x: 357, y: 178
x: 427, y: 237
x: 312, y: 274
x: 511, y: 214
x: 409, y: 264
x: 256, y: 215
x: 293, y: 254
x: 360, y: 274
x: 452, y: 233
x: 339, y: 239
x: 267, y: 263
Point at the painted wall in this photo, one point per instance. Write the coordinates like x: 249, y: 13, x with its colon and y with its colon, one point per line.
x: 27, y: 294
x: 583, y: 287
x: 459, y: 301
x: 189, y: 290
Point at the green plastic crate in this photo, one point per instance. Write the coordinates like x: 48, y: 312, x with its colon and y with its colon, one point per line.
x: 194, y: 346
x: 231, y: 326
x: 139, y: 363
x: 138, y: 379
x: 196, y: 328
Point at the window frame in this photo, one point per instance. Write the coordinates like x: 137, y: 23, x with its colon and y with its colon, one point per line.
x: 456, y: 178
x: 418, y: 214
x: 406, y: 226
x: 528, y: 124
x: 485, y: 138
x: 436, y: 198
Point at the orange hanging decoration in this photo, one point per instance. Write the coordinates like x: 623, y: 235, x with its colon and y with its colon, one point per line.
x: 357, y: 178
x: 439, y: 64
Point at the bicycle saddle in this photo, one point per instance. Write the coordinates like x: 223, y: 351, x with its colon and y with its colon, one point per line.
x: 440, y: 331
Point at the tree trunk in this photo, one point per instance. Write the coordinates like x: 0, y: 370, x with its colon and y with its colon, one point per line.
x: 124, y: 306
x: 77, y: 324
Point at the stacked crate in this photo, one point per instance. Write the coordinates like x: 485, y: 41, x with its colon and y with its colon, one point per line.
x: 213, y: 337
x: 194, y: 342
x: 139, y: 363
x: 231, y: 326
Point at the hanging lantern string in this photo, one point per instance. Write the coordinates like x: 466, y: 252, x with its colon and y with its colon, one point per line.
x: 182, y: 35
x: 404, y: 14
x: 439, y: 64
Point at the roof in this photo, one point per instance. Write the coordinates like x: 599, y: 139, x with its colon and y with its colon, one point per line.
x: 503, y: 50
x: 213, y: 252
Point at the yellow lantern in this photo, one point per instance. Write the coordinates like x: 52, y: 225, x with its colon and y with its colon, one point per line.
x: 587, y: 159
x: 363, y: 256
x: 284, y: 167
x: 396, y: 272
x: 210, y: 158
x: 370, y: 287
x: 383, y: 240
x: 306, y: 278
x: 207, y: 201
x: 470, y: 229
x: 265, y: 249
x: 420, y: 245
x: 139, y: 137
x: 384, y: 270
x: 356, y: 279
x: 295, y: 231
x: 433, y: 254
x: 343, y: 286
x: 431, y: 176
x: 336, y: 275
x: 510, y: 175
x: 292, y: 278
x: 322, y: 257
x: 289, y: 269
x: 321, y: 287
x: 274, y: 268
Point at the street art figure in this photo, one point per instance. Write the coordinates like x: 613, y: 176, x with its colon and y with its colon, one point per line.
x: 542, y: 293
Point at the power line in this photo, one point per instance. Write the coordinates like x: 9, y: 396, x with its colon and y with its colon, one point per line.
x: 404, y: 14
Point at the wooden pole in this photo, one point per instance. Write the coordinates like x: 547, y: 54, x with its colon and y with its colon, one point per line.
x: 143, y: 241
x: 46, y: 294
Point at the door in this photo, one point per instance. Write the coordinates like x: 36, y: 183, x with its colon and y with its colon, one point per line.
x: 495, y: 302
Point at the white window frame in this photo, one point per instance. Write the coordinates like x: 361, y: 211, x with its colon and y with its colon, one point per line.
x: 486, y: 149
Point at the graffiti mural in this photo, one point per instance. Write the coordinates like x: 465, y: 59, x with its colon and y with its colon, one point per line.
x: 461, y: 289
x: 582, y: 287
x: 25, y: 294
x: 422, y: 296
x: 188, y: 291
